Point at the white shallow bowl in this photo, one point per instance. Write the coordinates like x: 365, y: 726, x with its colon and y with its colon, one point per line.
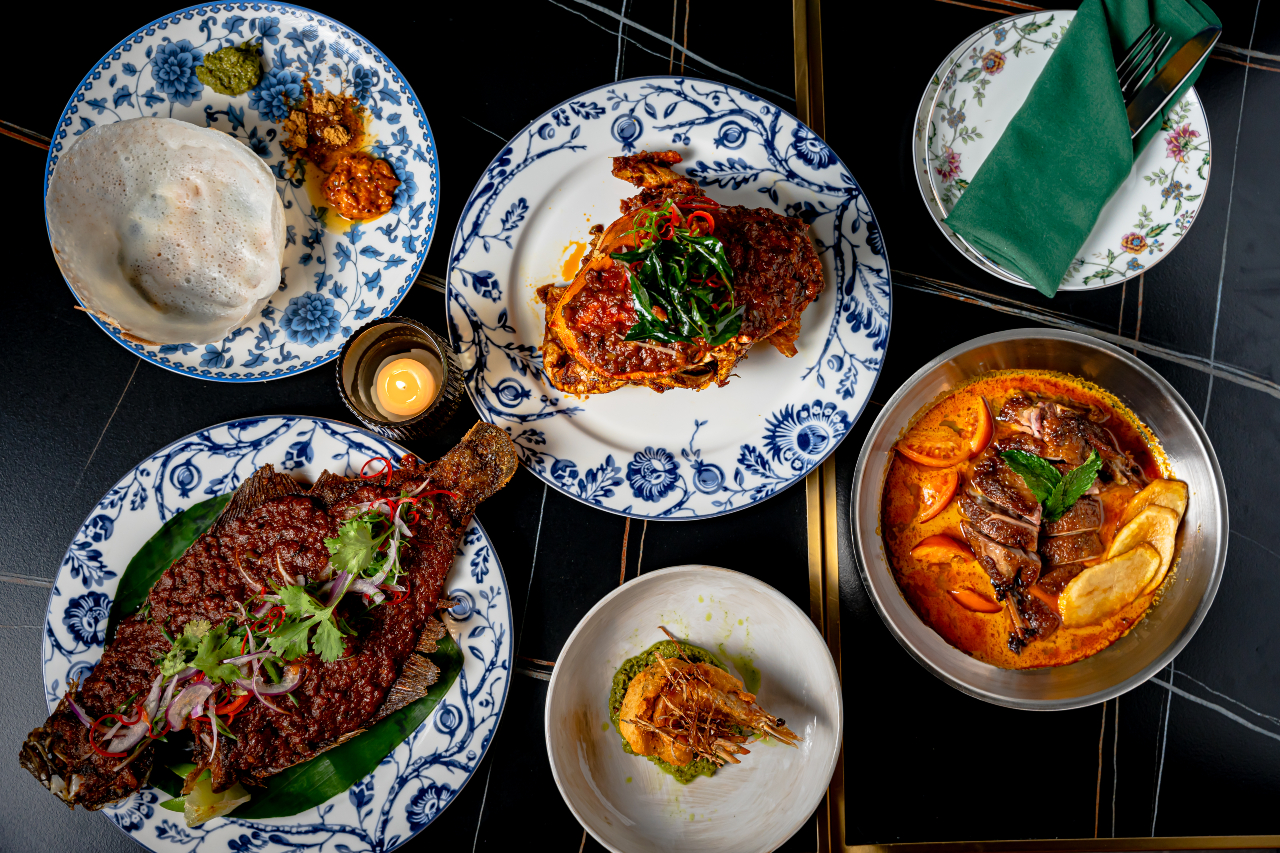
x: 625, y: 801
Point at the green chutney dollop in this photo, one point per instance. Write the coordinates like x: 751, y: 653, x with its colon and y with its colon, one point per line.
x: 231, y: 70
x: 632, y: 667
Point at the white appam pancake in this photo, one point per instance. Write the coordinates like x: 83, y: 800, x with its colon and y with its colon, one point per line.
x: 170, y: 231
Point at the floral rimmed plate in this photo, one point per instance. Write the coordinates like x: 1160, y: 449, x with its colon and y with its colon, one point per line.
x: 422, y: 775
x: 681, y: 454
x: 333, y: 280
x: 975, y: 97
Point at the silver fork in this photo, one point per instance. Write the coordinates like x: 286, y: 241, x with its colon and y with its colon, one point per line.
x: 1143, y: 56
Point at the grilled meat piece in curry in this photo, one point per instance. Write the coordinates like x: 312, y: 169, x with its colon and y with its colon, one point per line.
x: 272, y: 535
x: 602, y: 332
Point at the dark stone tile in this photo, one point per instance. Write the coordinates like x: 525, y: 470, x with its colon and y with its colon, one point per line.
x: 579, y: 561
x: 1250, y: 307
x: 23, y: 606
x: 768, y: 541
x: 521, y: 788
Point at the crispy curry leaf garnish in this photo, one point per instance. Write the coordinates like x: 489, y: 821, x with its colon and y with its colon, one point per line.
x: 170, y: 542
x: 329, y: 774
x: 681, y: 281
x: 1056, y: 492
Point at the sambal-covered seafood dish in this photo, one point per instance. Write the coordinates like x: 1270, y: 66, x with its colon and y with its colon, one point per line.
x: 675, y: 292
x: 300, y: 618
x: 1030, y: 518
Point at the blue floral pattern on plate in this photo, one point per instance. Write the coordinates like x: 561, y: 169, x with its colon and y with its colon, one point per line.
x: 332, y: 280
x: 682, y: 454
x: 422, y: 775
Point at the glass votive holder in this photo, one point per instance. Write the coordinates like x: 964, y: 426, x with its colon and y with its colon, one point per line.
x: 377, y: 344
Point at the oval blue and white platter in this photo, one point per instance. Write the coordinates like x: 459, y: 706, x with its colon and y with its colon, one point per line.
x: 682, y: 454
x: 422, y: 775
x: 333, y: 280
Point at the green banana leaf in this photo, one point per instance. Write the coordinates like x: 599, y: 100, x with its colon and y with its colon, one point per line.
x: 304, y: 785
x: 169, y: 543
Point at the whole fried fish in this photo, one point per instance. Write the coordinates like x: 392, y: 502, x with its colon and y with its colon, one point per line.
x: 271, y: 532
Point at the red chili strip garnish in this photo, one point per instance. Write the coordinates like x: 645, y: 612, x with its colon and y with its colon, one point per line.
x: 93, y: 741
x: 233, y: 706
x: 703, y: 216
x: 386, y: 469
x: 454, y: 495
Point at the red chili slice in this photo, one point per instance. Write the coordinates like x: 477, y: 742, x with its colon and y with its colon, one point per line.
x: 701, y: 215
x: 386, y: 469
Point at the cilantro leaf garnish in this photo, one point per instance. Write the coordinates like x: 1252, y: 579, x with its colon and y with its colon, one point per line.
x: 302, y: 613
x: 175, y: 660
x: 204, y: 647
x: 355, y: 546
x: 1055, y: 491
x: 214, y: 647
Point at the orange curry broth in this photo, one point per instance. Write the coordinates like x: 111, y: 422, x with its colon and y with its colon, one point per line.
x: 925, y: 586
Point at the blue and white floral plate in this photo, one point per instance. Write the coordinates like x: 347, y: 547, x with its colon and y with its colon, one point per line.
x: 682, y: 454
x: 970, y: 102
x: 422, y: 775
x: 333, y: 280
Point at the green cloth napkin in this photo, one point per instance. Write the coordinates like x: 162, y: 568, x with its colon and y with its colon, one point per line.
x: 1037, y: 196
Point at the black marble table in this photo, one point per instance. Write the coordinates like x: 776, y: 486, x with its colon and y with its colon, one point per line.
x: 1195, y: 751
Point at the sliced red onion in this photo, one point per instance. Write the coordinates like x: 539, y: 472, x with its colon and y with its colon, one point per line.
x: 292, y: 678
x: 252, y: 685
x: 213, y: 724
x: 168, y: 695
x: 186, y: 674
x: 188, y: 700
x: 262, y: 609
x: 252, y: 656
x: 79, y: 712
x: 338, y: 589
x: 130, y: 737
x: 152, y: 704
x: 112, y: 731
x: 365, y: 587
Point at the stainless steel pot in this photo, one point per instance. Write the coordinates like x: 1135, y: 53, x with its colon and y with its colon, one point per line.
x: 1168, y: 626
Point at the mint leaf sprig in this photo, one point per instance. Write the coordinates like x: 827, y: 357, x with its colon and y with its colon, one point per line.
x: 1057, y: 492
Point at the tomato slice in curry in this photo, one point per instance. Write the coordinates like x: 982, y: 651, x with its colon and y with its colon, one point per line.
x: 936, y: 490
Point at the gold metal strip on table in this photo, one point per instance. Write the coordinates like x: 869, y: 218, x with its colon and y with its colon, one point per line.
x: 1065, y: 845
x: 820, y: 485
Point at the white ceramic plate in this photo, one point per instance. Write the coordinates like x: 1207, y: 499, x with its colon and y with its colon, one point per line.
x: 333, y: 280
x: 628, y: 804
x: 982, y: 89
x: 681, y: 454
x: 422, y: 775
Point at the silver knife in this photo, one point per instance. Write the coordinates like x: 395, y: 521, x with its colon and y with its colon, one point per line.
x: 1151, y: 99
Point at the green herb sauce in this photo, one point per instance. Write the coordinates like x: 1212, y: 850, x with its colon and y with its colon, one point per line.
x: 632, y: 667
x: 231, y: 70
